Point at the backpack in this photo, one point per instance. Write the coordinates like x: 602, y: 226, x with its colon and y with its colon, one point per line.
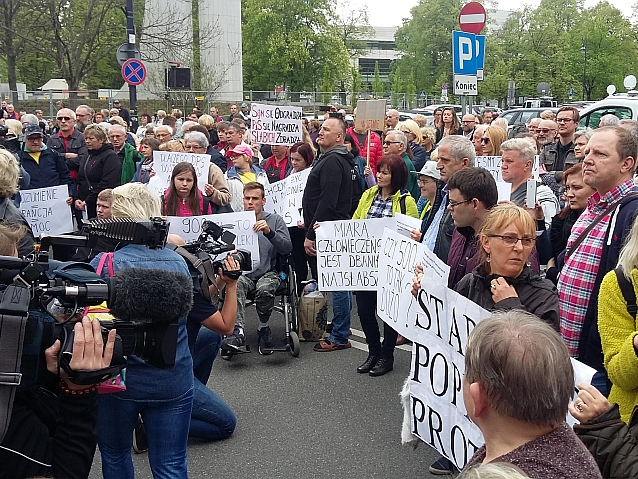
x: 627, y: 289
x: 357, y: 191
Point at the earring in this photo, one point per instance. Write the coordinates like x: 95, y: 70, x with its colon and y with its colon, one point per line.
x: 488, y: 258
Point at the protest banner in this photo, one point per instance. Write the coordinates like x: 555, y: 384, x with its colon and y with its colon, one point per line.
x: 46, y: 211
x: 405, y: 224
x: 284, y: 197
x: 348, y: 253
x: 493, y: 165
x: 275, y: 125
x: 165, y: 161
x: 504, y: 190
x: 240, y: 224
x: 398, y: 256
x: 370, y: 115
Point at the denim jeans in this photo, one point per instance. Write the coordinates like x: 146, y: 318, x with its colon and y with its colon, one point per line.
x: 341, y: 308
x: 211, y: 417
x: 166, y: 424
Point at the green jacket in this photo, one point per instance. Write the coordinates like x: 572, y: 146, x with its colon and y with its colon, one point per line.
x: 413, y: 180
x: 131, y: 157
x: 368, y: 195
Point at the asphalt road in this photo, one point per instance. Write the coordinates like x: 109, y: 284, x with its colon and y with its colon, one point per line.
x: 312, y: 417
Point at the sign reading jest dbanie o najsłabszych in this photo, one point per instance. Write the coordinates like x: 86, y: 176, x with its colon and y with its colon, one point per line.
x: 46, y: 210
x: 275, y: 125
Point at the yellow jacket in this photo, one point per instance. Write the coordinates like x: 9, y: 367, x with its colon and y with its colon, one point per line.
x: 617, y: 331
x: 368, y: 196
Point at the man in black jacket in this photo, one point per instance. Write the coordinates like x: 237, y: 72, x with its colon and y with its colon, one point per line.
x: 328, y: 197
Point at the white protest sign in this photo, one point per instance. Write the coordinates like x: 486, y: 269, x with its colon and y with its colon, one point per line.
x: 240, y: 224
x: 348, y: 253
x: 397, y: 259
x: 46, y: 211
x: 405, y: 224
x: 582, y: 374
x: 493, y: 165
x: 275, y: 125
x: 165, y: 161
x: 504, y: 190
x: 284, y: 197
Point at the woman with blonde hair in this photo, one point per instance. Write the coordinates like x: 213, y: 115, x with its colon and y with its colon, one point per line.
x: 9, y: 214
x: 176, y: 146
x: 492, y: 139
x: 413, y: 133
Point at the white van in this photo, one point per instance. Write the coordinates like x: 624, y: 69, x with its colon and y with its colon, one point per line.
x: 542, y: 102
x: 622, y: 105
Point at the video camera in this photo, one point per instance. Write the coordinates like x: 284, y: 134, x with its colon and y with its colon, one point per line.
x: 147, y: 304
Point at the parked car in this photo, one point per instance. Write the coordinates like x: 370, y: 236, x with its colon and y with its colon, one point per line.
x: 523, y: 115
x: 623, y: 105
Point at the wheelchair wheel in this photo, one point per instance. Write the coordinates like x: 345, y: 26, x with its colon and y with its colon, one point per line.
x: 295, y: 346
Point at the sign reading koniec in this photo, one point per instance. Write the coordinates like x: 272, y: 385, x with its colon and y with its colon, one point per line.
x: 275, y: 125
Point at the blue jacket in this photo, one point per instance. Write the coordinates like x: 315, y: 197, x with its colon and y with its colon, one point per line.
x: 50, y: 171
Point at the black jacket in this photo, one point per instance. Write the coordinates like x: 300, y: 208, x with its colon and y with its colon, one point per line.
x: 328, y: 192
x: 549, y: 157
x: 217, y: 158
x: 12, y: 215
x: 75, y: 144
x: 440, y: 131
x: 100, y: 171
x: 560, y: 231
x: 51, y: 427
x: 535, y: 295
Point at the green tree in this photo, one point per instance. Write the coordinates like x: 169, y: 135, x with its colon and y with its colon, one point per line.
x: 327, y: 85
x: 355, y: 87
x: 378, y: 86
x: 397, y: 89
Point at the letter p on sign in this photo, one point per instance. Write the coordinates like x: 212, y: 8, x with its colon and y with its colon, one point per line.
x: 464, y: 58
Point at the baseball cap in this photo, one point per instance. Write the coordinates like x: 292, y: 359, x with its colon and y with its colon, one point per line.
x: 242, y: 150
x: 32, y: 130
x: 116, y: 102
x: 243, y: 105
x: 429, y: 169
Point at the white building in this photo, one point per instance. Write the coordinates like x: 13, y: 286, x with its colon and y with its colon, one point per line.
x: 381, y: 49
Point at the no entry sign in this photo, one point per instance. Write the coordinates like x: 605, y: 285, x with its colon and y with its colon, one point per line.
x: 472, y: 18
x: 133, y: 72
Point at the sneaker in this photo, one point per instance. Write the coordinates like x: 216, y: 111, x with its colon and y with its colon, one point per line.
x: 233, y: 341
x: 264, y: 340
x: 443, y: 466
x: 140, y: 444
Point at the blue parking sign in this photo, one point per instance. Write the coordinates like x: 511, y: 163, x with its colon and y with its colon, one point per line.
x: 463, y: 53
x: 479, y: 51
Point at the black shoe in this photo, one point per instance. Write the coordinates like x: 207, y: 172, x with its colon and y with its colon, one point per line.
x: 443, y: 467
x: 384, y: 365
x: 140, y: 443
x: 264, y: 341
x: 368, y: 364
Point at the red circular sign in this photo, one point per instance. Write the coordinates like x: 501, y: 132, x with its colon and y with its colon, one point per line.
x: 133, y: 72
x: 472, y: 18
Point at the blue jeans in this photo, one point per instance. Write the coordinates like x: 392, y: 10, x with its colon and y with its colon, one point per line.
x: 211, y: 417
x: 341, y: 308
x: 166, y: 424
x: 601, y: 382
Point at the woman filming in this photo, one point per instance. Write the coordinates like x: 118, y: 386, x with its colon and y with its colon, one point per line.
x: 384, y: 200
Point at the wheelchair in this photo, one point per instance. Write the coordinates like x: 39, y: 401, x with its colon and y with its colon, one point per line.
x: 286, y: 303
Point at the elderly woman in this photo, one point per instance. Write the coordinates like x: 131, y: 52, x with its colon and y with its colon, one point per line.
x: 145, y: 120
x: 581, y: 138
x: 413, y: 133
x: 101, y: 170
x: 144, y: 171
x: 9, y: 214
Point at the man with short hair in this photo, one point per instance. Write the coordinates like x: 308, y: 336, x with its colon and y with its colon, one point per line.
x: 595, y: 241
x: 104, y: 200
x: 517, y: 386
x: 215, y: 114
x: 533, y: 125
x: 517, y: 160
x: 84, y: 115
x: 233, y: 112
x: 487, y: 116
x: 28, y: 118
x: 391, y: 119
x: 476, y: 139
x: 455, y: 153
x: 245, y: 113
x: 472, y: 192
x: 360, y: 137
x: 11, y: 112
x: 163, y: 133
x: 608, y: 120
x: 546, y: 132
x: 274, y: 240
x: 69, y: 142
x: 396, y: 143
x: 234, y: 137
x: 559, y: 156
x: 128, y: 155
x: 328, y: 197
x: 123, y: 112
x: 468, y: 125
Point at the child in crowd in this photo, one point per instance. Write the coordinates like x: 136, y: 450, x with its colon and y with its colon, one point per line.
x: 183, y: 198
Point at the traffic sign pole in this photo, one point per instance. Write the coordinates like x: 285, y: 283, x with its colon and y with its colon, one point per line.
x: 132, y: 89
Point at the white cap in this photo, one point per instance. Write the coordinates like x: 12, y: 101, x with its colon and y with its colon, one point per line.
x: 429, y: 169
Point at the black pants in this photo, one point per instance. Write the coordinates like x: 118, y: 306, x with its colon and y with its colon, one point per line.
x: 366, y: 308
x: 300, y: 260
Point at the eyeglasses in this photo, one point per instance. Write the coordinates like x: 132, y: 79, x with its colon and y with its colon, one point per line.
x: 457, y: 203
x: 512, y: 240
x: 63, y: 118
x: 388, y: 143
x: 468, y: 121
x: 424, y: 181
x: 485, y: 141
x: 564, y: 120
x: 194, y: 147
x: 544, y: 131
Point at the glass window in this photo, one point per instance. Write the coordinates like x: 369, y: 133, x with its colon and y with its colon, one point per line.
x: 592, y: 119
x: 510, y: 117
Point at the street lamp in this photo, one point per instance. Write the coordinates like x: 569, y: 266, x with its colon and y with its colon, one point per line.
x: 583, y: 49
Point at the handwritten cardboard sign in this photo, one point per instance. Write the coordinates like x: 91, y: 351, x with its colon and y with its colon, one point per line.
x: 275, y: 125
x: 370, y: 115
x: 165, y: 161
x: 284, y: 197
x: 46, y: 211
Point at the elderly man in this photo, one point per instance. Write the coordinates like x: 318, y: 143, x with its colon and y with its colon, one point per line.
x: 215, y: 114
x: 476, y: 139
x: 216, y: 188
x: 608, y: 120
x: 164, y: 134
x: 487, y: 116
x: 517, y: 386
x: 128, y: 155
x: 84, y: 115
x: 468, y: 124
x: 533, y: 125
x: 546, y: 132
x: 391, y: 119
x: 396, y: 143
x: 234, y: 137
x: 69, y: 141
x: 559, y: 156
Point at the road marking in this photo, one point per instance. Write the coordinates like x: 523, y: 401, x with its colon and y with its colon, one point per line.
x: 364, y: 347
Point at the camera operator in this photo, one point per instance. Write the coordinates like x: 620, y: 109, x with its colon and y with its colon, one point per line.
x: 163, y: 397
x: 52, y: 427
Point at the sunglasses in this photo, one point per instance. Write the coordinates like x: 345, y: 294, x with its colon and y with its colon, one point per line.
x: 545, y: 130
x: 485, y: 141
x: 63, y: 118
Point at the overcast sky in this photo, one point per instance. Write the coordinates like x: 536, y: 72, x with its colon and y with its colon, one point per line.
x: 384, y: 14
